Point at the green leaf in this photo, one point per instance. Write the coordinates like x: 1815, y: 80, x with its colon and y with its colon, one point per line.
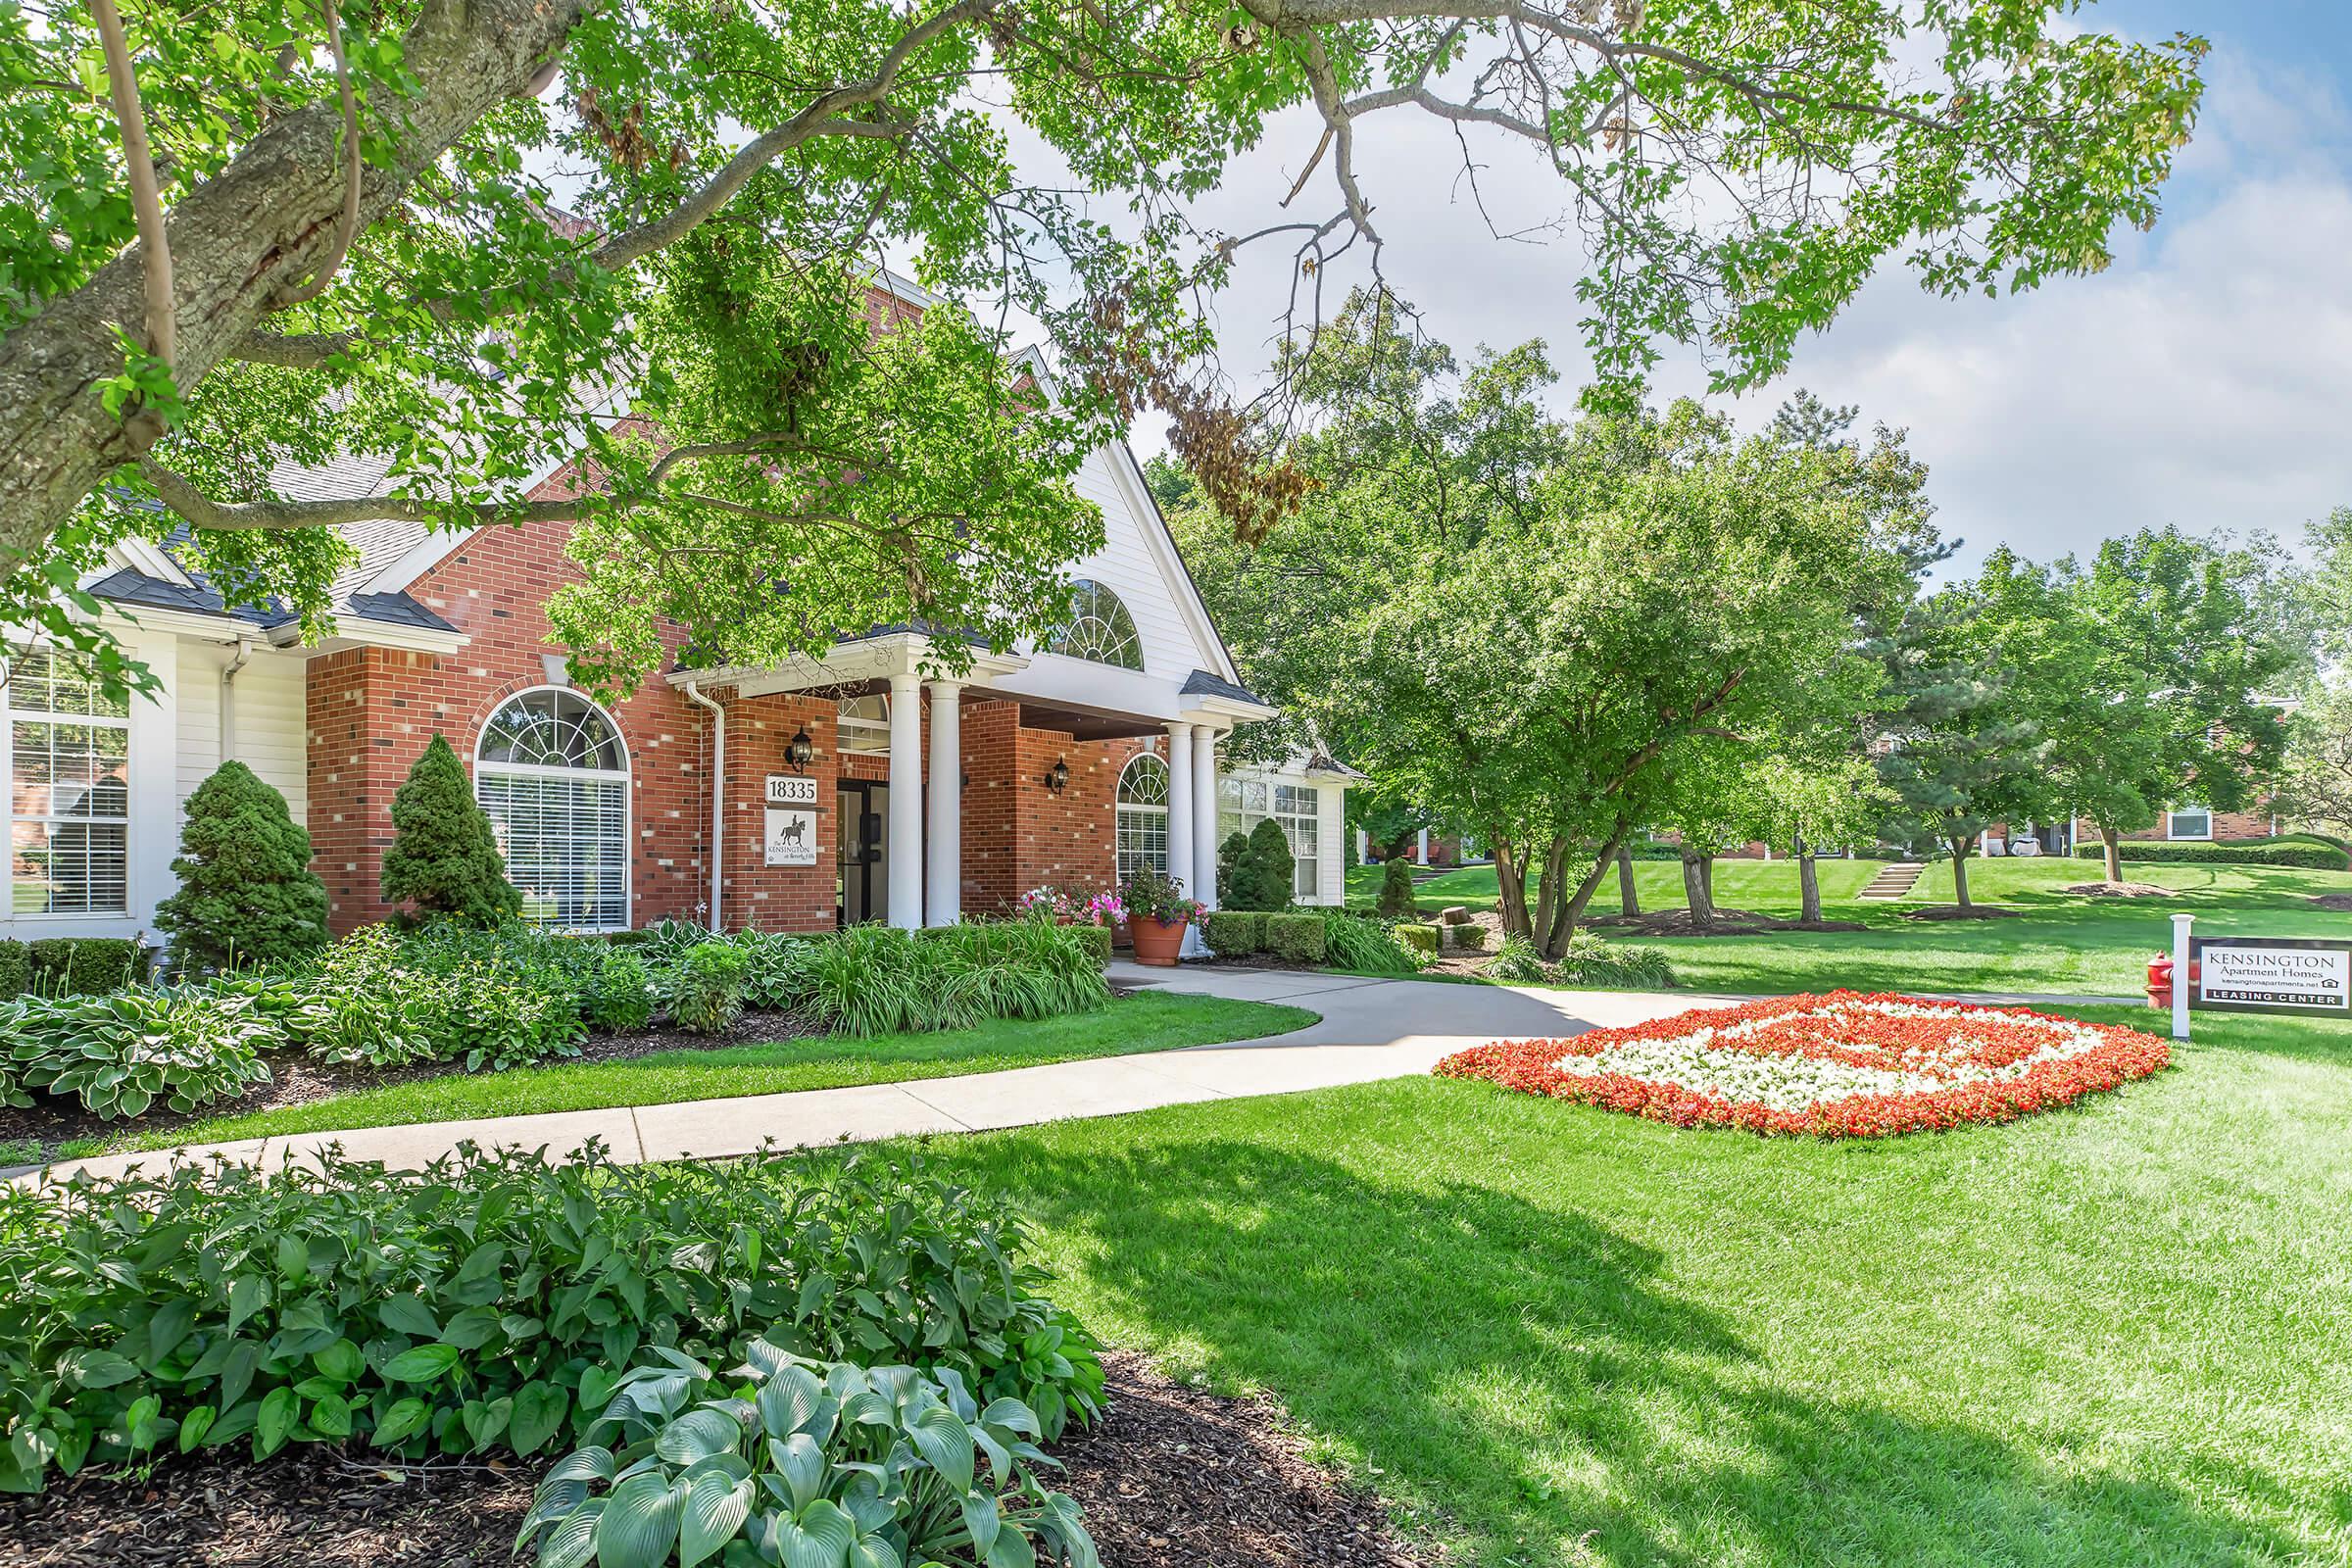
x: 330, y: 1417
x: 802, y: 1465
x: 946, y: 1445
x: 1011, y: 1550
x: 639, y: 1523
x: 400, y: 1422
x: 539, y: 1411
x: 696, y: 1435
x: 99, y: 1369
x: 248, y: 1294
x: 790, y: 1402
x: 819, y: 1537
x: 980, y: 1517
x: 406, y: 1314
x: 422, y: 1363
x: 572, y: 1543
x: 279, y: 1409
x: 341, y: 1361
x: 193, y: 1425
x: 714, y: 1510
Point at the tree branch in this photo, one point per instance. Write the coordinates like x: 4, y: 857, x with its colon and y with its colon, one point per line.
x: 349, y: 229
x: 146, y: 197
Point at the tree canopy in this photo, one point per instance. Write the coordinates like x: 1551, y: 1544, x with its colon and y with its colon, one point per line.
x: 445, y: 238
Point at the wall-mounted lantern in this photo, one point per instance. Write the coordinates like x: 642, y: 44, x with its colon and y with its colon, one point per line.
x: 1057, y: 777
x: 799, y: 749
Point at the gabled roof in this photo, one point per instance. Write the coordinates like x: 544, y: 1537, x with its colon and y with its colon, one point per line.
x: 137, y: 590
x: 1201, y: 683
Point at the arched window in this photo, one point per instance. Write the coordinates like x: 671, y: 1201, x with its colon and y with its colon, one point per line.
x: 865, y: 726
x: 553, y: 777
x: 1143, y: 825
x: 1099, y: 628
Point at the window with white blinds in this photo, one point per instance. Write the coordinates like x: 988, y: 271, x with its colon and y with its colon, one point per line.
x: 1142, y: 815
x: 69, y: 795
x: 1241, y: 804
x: 553, y: 776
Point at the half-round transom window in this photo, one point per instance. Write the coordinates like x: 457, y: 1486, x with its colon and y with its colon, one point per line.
x: 1142, y: 815
x: 553, y: 776
x: 1099, y: 628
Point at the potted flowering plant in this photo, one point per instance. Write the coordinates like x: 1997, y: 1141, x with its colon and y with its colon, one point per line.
x: 1157, y: 911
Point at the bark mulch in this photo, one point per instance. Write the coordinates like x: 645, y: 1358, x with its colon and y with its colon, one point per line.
x: 295, y: 1079
x: 2332, y: 901
x: 2119, y: 890
x: 1953, y: 911
x: 1173, y: 1478
x: 1727, y: 923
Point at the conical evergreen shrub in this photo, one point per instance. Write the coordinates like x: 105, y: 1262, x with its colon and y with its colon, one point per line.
x: 1396, y: 900
x: 444, y: 858
x: 247, y: 892
x: 1260, y: 878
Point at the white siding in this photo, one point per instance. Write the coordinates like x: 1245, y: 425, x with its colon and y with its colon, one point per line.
x: 271, y: 720
x: 1128, y: 567
x: 1331, y: 870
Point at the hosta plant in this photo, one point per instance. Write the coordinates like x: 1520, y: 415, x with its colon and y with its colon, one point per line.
x: 123, y: 1052
x: 474, y: 1306
x: 802, y: 1463
x: 707, y: 992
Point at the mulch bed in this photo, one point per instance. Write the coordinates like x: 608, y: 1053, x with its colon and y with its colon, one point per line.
x: 1953, y: 911
x: 1174, y: 1478
x: 1727, y: 923
x: 296, y: 1079
x: 2120, y: 889
x: 2332, y: 901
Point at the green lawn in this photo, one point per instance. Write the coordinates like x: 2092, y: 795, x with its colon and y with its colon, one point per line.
x: 2057, y: 942
x: 1554, y: 1336
x: 1146, y: 1021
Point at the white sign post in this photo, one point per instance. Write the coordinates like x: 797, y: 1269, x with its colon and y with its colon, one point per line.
x: 2180, y: 954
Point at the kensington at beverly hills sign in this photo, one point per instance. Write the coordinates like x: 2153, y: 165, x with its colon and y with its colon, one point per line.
x: 2274, y: 974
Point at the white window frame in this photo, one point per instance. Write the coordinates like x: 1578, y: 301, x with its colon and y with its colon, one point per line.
x: 9, y: 716
x: 2172, y: 824
x: 1242, y: 801
x: 1144, y: 814
x: 621, y: 776
x: 872, y: 736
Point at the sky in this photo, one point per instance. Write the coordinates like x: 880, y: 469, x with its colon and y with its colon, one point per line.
x: 2204, y: 379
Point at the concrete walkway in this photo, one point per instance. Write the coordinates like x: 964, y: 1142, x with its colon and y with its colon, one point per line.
x: 1370, y: 1029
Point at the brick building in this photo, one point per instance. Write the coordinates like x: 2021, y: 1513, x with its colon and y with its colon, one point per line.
x: 852, y: 788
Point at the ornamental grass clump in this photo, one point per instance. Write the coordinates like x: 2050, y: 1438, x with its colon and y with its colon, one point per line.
x: 488, y: 1304
x: 1351, y: 942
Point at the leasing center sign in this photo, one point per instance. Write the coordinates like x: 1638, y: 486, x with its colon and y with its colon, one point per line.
x: 2274, y: 974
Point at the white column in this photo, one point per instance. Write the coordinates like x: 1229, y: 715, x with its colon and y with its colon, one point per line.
x: 1363, y: 848
x: 905, y: 803
x: 1205, y: 814
x: 1180, y: 805
x: 1423, y: 854
x: 943, y: 855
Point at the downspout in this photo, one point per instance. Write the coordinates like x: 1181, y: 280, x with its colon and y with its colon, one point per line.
x: 243, y: 655
x: 718, y: 788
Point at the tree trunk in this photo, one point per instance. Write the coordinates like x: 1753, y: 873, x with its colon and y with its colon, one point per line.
x: 239, y: 241
x: 1960, y: 872
x: 2114, y: 852
x: 1808, y: 882
x: 1548, y: 890
x: 1629, y: 898
x: 1695, y: 891
x: 1511, y: 883
x: 1572, y: 909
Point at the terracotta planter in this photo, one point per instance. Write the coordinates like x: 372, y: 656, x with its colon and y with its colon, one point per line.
x: 1158, y: 942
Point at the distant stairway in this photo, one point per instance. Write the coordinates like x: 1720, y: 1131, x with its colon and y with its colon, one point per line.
x: 1893, y: 881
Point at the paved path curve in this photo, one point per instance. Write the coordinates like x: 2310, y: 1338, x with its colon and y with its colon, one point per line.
x: 1369, y: 1029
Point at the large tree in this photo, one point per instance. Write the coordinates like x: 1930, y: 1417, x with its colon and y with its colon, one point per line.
x: 259, y: 232
x: 2316, y: 781
x: 2152, y: 673
x: 1516, y: 622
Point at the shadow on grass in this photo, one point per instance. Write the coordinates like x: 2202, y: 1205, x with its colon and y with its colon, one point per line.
x: 1539, y: 1378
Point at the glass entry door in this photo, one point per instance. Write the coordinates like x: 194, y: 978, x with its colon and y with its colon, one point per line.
x: 862, y: 849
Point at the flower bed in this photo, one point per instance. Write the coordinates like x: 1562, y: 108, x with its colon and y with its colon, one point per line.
x: 1841, y: 1065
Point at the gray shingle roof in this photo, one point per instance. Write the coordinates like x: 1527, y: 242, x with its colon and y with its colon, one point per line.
x: 1201, y: 683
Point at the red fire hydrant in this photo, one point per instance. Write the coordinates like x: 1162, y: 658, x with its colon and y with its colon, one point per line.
x: 2160, y: 979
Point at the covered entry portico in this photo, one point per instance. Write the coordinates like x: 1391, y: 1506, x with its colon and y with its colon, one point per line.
x: 982, y: 784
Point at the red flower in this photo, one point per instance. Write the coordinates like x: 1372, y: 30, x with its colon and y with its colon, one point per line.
x: 1955, y: 1062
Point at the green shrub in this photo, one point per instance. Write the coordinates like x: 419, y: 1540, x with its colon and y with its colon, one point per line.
x: 805, y: 1462
x: 1418, y: 937
x: 360, y: 1007
x: 1351, y: 942
x: 1261, y: 876
x: 247, y: 892
x: 1027, y: 968
x: 1295, y: 938
x: 1397, y: 892
x: 620, y: 998
x: 119, y: 1053
x: 877, y: 980
x: 771, y: 978
x: 1516, y: 963
x: 489, y: 1301
x: 1231, y: 853
x: 493, y: 996
x: 1232, y: 933
x: 1592, y: 960
x: 709, y: 989
x: 2304, y: 855
x: 1470, y: 938
x: 16, y: 968
x: 86, y: 966
x: 1096, y: 939
x: 444, y: 857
